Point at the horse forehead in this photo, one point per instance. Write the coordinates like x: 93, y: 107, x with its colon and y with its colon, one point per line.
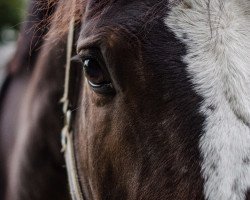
x: 122, y: 17
x: 114, y: 11
x: 95, y: 3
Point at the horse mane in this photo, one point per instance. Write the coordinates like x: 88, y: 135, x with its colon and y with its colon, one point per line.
x: 65, y: 11
x: 31, y: 36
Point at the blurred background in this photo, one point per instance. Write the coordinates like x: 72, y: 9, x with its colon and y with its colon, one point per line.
x: 12, y: 14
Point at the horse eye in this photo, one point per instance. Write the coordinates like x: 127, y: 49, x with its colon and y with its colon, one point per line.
x: 96, y: 77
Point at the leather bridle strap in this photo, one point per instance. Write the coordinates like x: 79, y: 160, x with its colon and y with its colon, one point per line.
x: 67, y: 134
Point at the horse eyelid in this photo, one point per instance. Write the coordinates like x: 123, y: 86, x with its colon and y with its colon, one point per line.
x: 76, y: 59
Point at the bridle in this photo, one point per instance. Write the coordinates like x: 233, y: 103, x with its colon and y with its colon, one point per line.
x: 67, y: 133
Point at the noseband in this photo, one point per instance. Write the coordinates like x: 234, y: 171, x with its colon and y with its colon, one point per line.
x: 67, y: 133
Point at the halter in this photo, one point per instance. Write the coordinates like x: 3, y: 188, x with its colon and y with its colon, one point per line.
x: 67, y: 133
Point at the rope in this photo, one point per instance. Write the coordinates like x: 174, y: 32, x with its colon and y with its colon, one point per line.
x: 67, y: 137
x: 65, y: 99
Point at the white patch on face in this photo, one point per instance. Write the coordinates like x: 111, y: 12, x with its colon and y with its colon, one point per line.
x: 217, y: 37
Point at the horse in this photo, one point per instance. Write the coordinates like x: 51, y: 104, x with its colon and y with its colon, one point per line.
x: 158, y: 97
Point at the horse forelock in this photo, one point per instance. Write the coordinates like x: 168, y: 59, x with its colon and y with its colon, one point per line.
x: 58, y: 23
x: 65, y: 11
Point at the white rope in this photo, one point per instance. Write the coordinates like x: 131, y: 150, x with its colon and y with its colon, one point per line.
x: 67, y: 137
x: 65, y: 99
x: 73, y: 178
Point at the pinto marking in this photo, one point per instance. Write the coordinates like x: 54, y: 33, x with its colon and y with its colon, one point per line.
x: 217, y: 36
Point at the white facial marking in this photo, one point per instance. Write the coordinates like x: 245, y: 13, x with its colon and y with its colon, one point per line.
x: 217, y: 37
